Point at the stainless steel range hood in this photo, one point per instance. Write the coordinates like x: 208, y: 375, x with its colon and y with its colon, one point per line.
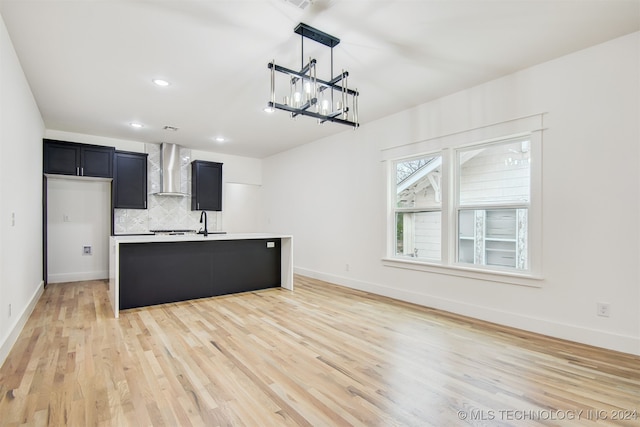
x: 170, y: 176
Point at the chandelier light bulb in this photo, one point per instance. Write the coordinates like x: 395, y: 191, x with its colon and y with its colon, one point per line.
x: 325, y: 106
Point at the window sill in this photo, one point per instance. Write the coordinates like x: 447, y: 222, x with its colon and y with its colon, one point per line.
x: 521, y: 279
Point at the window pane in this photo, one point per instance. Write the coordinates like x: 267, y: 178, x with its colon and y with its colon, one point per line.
x: 496, y: 174
x: 418, y: 234
x: 418, y: 183
x: 493, y: 237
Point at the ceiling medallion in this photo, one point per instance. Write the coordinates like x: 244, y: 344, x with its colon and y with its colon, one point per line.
x: 306, y: 95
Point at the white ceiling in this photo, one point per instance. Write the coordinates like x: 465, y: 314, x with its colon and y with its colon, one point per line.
x: 90, y: 62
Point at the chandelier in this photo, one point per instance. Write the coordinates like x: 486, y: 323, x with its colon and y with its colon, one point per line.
x: 304, y: 94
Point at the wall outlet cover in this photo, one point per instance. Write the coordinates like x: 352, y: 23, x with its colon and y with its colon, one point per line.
x: 604, y: 309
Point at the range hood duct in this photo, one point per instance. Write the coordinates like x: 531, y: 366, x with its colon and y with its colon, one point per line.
x: 170, y: 176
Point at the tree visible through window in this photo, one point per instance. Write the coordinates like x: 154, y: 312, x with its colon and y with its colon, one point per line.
x: 419, y: 207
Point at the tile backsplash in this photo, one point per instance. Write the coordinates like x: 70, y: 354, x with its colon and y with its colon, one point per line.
x: 164, y: 212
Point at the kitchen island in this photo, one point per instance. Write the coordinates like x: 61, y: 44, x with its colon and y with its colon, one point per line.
x: 156, y: 269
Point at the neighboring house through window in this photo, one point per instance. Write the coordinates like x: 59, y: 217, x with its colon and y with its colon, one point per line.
x: 472, y: 206
x: 492, y: 204
x: 419, y: 207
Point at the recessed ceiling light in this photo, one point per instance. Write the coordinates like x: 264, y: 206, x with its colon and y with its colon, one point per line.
x: 220, y: 139
x: 136, y: 125
x: 160, y: 82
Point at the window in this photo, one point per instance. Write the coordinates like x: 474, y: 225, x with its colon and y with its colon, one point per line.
x: 493, y: 196
x: 418, y: 207
x: 469, y: 207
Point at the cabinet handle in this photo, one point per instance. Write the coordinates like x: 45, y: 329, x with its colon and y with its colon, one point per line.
x: 145, y: 204
x: 82, y: 171
x: 78, y: 171
x: 198, y: 205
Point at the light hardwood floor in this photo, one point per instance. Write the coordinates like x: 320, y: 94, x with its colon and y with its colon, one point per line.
x: 321, y: 355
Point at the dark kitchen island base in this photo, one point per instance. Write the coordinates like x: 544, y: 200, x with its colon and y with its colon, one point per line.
x: 149, y: 271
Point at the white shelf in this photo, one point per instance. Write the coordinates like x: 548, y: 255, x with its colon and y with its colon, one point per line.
x: 498, y: 243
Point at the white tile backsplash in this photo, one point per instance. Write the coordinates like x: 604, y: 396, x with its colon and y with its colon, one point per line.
x: 164, y: 212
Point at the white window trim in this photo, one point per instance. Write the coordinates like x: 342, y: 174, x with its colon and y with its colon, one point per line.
x: 394, y: 210
x: 447, y: 146
x: 462, y: 270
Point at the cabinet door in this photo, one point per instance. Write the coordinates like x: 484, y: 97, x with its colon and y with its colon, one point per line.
x: 96, y: 161
x: 70, y: 158
x: 61, y: 158
x: 206, y: 186
x: 130, y: 180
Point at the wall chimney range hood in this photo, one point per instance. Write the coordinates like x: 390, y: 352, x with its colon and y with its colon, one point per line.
x: 170, y: 176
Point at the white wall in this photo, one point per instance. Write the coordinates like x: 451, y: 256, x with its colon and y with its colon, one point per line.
x: 330, y: 195
x: 118, y: 144
x: 242, y: 208
x: 21, y: 131
x: 78, y: 215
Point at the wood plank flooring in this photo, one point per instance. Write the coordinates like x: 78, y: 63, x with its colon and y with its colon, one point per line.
x: 321, y: 355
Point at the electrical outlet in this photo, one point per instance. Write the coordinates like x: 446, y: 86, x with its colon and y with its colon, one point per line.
x: 346, y: 267
x: 86, y: 250
x: 603, y: 309
x: 13, y: 219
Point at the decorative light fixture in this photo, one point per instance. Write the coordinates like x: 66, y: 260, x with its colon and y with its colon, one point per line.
x: 306, y: 95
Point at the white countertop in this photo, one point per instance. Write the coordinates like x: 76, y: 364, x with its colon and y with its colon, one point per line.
x: 194, y: 237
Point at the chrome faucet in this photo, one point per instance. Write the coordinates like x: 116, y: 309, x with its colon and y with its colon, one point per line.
x: 204, y: 214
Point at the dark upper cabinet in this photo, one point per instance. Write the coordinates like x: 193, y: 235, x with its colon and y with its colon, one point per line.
x: 129, y: 180
x: 206, y: 186
x: 69, y: 158
x: 96, y: 161
x: 61, y: 158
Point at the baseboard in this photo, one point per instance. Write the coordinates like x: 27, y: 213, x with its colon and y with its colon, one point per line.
x: 77, y: 277
x: 16, y: 328
x: 594, y: 337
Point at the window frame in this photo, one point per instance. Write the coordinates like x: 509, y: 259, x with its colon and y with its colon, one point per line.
x: 449, y: 263
x: 396, y: 210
